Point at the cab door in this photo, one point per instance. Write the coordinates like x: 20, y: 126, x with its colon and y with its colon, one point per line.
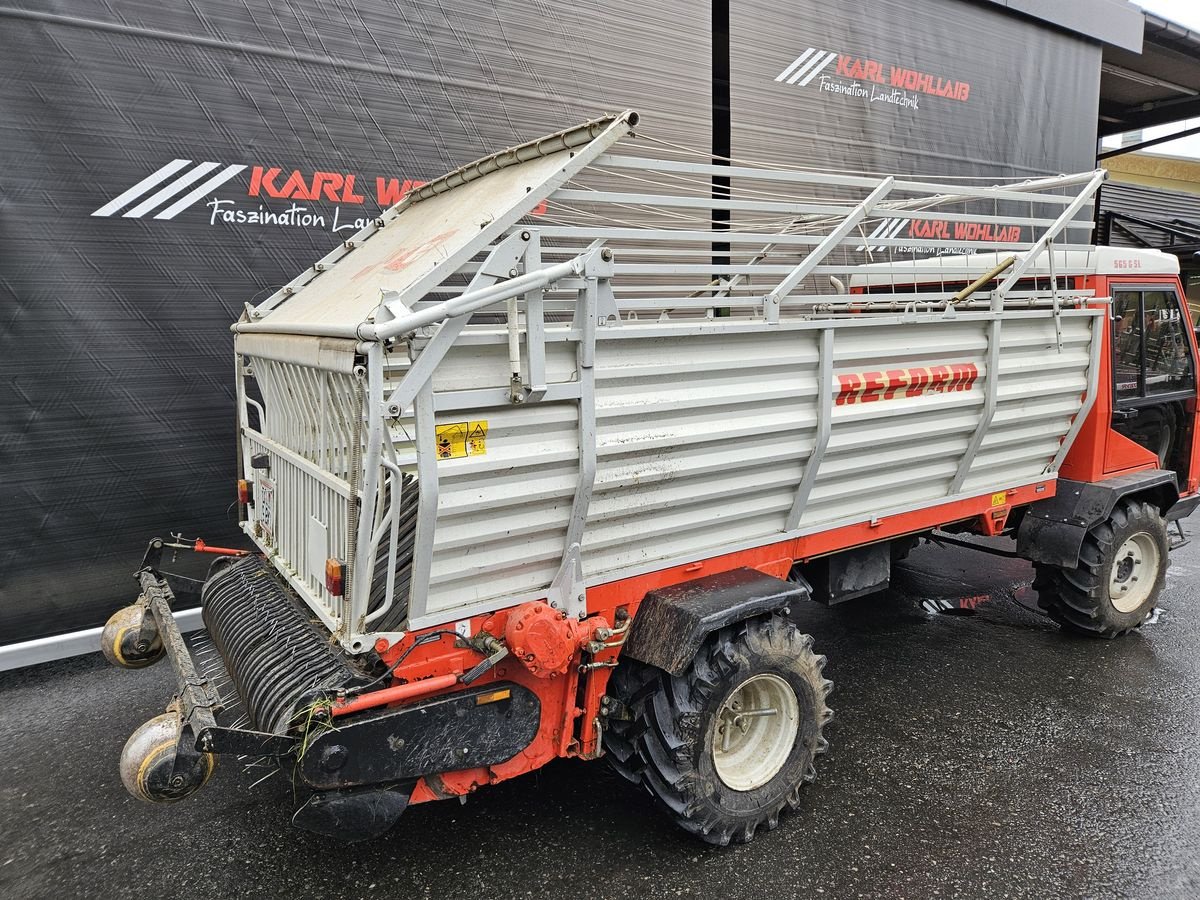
x: 1154, y: 372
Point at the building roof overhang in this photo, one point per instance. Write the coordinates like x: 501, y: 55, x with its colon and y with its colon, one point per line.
x: 1158, y: 86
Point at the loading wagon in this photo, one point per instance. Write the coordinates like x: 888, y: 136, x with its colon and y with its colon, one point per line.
x: 537, y: 464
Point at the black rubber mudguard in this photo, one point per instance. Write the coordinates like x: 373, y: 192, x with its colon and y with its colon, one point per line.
x: 476, y: 727
x: 673, y: 622
x: 1052, y: 530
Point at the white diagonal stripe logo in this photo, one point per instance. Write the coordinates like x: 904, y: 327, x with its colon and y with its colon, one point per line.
x: 142, y: 186
x: 188, y: 199
x: 170, y: 190
x: 810, y: 71
x: 885, y: 230
x: 874, y: 234
x: 891, y: 228
x: 798, y: 61
x: 803, y: 70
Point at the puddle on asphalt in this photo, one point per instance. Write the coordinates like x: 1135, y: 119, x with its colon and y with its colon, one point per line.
x: 949, y: 607
x: 941, y: 607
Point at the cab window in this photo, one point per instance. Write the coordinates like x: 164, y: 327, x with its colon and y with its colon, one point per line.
x: 1151, y: 354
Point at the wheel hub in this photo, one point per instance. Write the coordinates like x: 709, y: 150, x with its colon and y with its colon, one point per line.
x: 754, y: 731
x: 1133, y: 572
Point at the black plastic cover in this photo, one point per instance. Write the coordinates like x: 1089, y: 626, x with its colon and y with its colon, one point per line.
x: 354, y: 815
x: 476, y: 727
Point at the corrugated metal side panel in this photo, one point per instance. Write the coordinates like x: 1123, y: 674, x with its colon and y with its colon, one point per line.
x: 696, y: 437
x: 702, y: 441
x: 904, y: 450
x: 502, y: 516
x: 1040, y: 392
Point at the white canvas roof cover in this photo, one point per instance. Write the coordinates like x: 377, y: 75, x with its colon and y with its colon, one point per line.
x: 431, y: 233
x: 1097, y: 261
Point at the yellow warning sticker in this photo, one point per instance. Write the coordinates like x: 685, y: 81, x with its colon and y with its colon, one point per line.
x: 459, y: 439
x: 1000, y: 499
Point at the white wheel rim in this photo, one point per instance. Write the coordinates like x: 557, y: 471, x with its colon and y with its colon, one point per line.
x: 754, y: 732
x: 1134, y: 572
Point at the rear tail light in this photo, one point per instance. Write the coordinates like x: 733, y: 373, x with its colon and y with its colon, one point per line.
x: 335, y: 577
x: 244, y: 492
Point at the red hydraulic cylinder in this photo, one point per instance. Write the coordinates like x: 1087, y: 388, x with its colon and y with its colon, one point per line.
x: 395, y: 694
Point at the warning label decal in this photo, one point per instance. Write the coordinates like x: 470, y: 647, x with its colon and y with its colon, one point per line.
x: 460, y: 439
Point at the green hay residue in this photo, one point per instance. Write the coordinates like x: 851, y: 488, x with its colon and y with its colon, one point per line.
x: 314, y: 721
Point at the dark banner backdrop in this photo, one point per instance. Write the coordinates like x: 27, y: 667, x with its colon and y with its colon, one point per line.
x: 924, y: 87
x: 165, y: 163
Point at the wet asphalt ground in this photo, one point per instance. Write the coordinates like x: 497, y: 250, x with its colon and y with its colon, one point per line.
x: 973, y: 755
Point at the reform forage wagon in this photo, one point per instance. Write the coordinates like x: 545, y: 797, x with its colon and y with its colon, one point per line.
x: 536, y: 464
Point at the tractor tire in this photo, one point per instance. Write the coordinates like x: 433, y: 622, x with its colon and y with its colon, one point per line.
x: 725, y: 747
x: 631, y: 683
x: 1121, y: 572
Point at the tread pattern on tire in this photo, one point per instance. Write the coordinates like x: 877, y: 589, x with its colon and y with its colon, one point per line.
x: 1077, y: 599
x: 654, y: 747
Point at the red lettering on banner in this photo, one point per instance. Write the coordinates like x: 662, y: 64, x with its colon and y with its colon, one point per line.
x: 294, y: 188
x: 925, y: 83
x: 390, y: 191
x: 335, y: 187
x: 261, y: 178
x: 328, y: 184
x: 348, y: 195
